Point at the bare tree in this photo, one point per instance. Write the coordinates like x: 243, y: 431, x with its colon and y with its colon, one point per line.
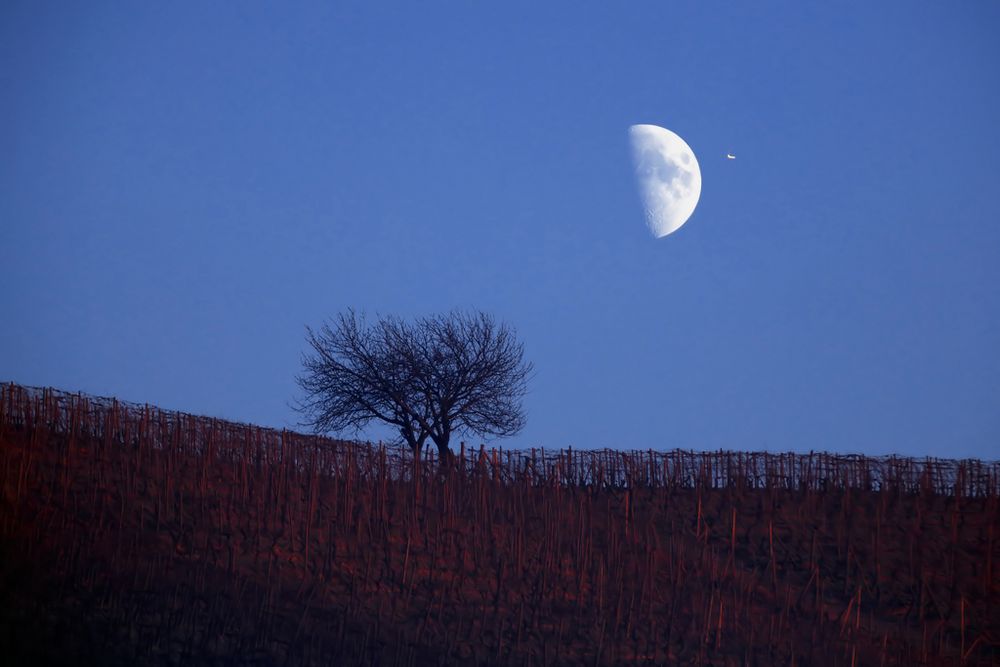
x: 432, y: 378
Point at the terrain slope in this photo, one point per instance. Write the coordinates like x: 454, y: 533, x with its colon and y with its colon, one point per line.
x: 133, y: 535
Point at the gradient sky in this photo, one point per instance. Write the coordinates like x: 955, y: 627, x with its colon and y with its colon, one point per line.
x: 184, y: 187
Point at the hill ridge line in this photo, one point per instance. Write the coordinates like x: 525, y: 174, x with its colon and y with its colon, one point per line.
x: 683, y: 468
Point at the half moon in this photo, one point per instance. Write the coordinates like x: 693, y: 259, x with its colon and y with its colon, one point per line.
x: 668, y: 176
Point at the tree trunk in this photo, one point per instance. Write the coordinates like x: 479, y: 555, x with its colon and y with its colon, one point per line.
x: 444, y: 451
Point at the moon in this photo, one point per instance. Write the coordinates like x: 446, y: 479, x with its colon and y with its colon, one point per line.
x: 668, y: 176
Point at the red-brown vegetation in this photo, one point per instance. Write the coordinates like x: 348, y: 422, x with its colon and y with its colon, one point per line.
x: 132, y: 535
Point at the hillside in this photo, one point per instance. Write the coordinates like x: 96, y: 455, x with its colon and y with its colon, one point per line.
x: 133, y: 535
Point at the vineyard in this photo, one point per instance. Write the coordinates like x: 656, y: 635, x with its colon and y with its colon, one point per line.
x: 134, y: 535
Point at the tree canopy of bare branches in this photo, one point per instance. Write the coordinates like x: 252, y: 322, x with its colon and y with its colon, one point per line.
x: 430, y: 378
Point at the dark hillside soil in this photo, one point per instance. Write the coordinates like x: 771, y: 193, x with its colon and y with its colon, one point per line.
x: 134, y: 536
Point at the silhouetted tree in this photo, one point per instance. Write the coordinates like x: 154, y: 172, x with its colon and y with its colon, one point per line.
x: 433, y: 377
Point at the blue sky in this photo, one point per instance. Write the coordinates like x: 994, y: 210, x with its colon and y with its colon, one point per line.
x: 185, y: 187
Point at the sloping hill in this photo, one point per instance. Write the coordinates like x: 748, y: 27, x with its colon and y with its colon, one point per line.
x: 132, y: 535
